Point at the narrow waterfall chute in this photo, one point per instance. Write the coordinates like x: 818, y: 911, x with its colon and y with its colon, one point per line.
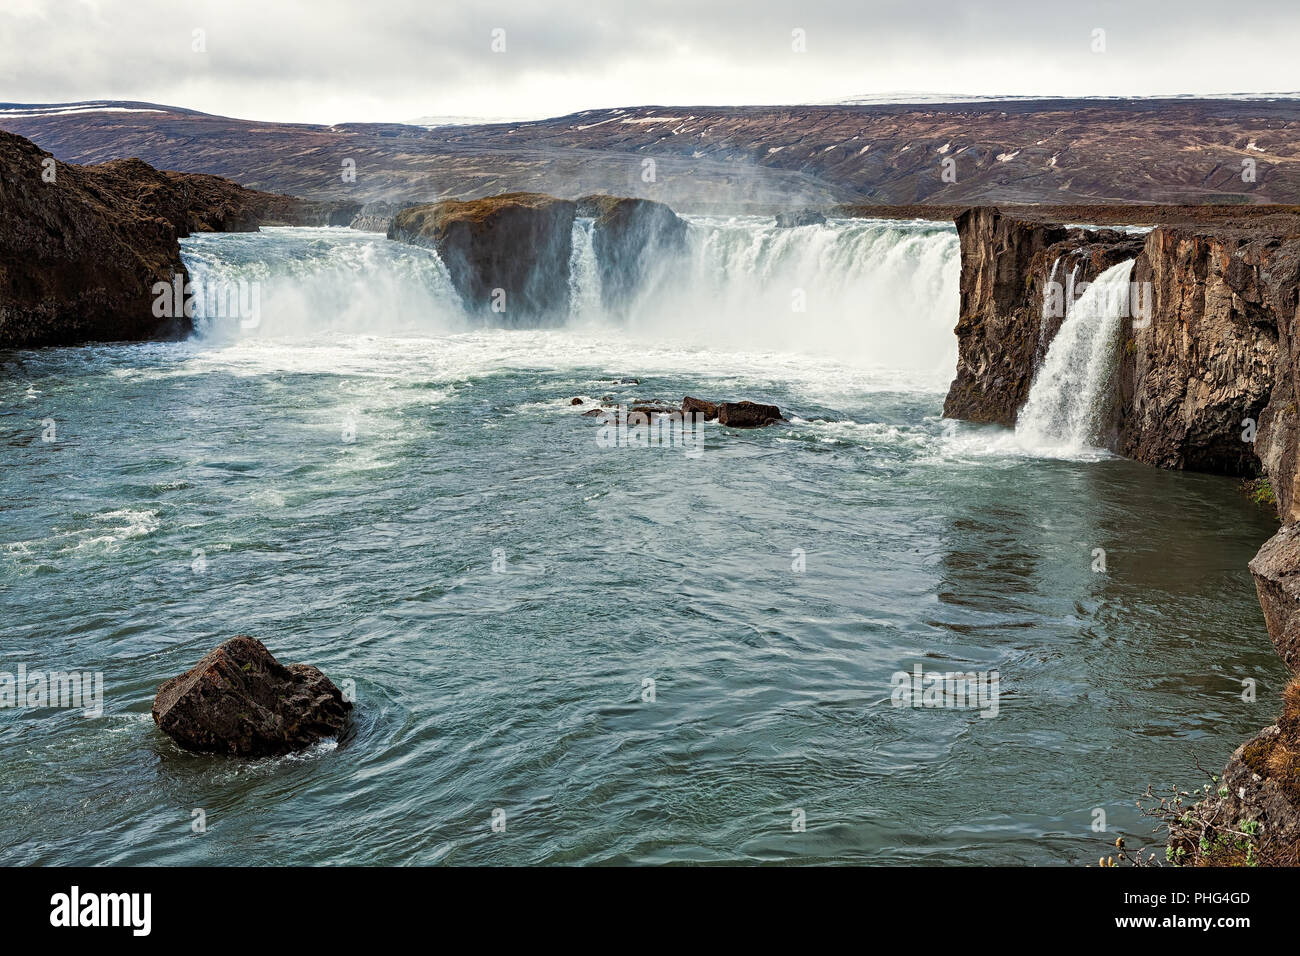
x: 1071, y: 396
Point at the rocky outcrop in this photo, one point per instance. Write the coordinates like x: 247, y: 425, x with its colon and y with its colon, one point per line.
x: 698, y: 406
x: 1251, y: 815
x: 743, y: 414
x: 638, y: 245
x: 81, y: 247
x: 1003, y: 329
x: 240, y: 700
x: 507, y: 255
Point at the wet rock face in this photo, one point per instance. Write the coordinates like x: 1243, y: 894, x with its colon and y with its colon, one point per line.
x: 699, y: 406
x: 375, y: 217
x: 508, y: 256
x: 1276, y: 569
x: 79, y: 255
x: 638, y: 245
x: 240, y: 700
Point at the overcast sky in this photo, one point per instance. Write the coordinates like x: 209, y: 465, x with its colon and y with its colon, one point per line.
x: 377, y: 60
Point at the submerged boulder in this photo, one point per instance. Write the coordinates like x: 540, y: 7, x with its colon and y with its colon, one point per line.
x: 240, y: 700
x: 507, y: 255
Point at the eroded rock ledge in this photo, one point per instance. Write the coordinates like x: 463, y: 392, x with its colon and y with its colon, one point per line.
x: 82, y: 246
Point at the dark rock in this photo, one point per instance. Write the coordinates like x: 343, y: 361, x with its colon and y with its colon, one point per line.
x: 594, y: 412
x: 375, y: 216
x: 79, y: 256
x: 698, y: 406
x: 804, y: 217
x: 653, y: 410
x: 1252, y: 816
x: 1208, y: 358
x: 240, y: 700
x: 747, y: 414
x: 576, y: 401
x: 518, y: 243
x: 1276, y: 569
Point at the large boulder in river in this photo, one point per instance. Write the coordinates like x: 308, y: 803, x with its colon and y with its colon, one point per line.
x: 638, y: 243
x: 507, y: 255
x: 699, y: 406
x: 240, y: 700
x: 747, y: 414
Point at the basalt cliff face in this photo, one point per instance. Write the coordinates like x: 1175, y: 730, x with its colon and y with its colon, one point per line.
x: 1208, y: 379
x: 81, y: 247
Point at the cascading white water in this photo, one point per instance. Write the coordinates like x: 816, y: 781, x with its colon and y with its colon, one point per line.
x: 584, y: 274
x: 1070, y: 395
x: 1045, y: 317
x: 868, y: 293
x: 306, y: 282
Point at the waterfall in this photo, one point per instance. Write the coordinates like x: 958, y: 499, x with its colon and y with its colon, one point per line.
x: 308, y: 281
x: 1071, y: 394
x: 1045, y: 316
x: 584, y: 274
x: 871, y: 293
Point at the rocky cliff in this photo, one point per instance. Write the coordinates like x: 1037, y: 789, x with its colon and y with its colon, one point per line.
x: 82, y: 246
x: 1208, y: 379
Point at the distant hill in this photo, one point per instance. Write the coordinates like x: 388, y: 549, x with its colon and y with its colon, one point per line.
x: 1065, y: 151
